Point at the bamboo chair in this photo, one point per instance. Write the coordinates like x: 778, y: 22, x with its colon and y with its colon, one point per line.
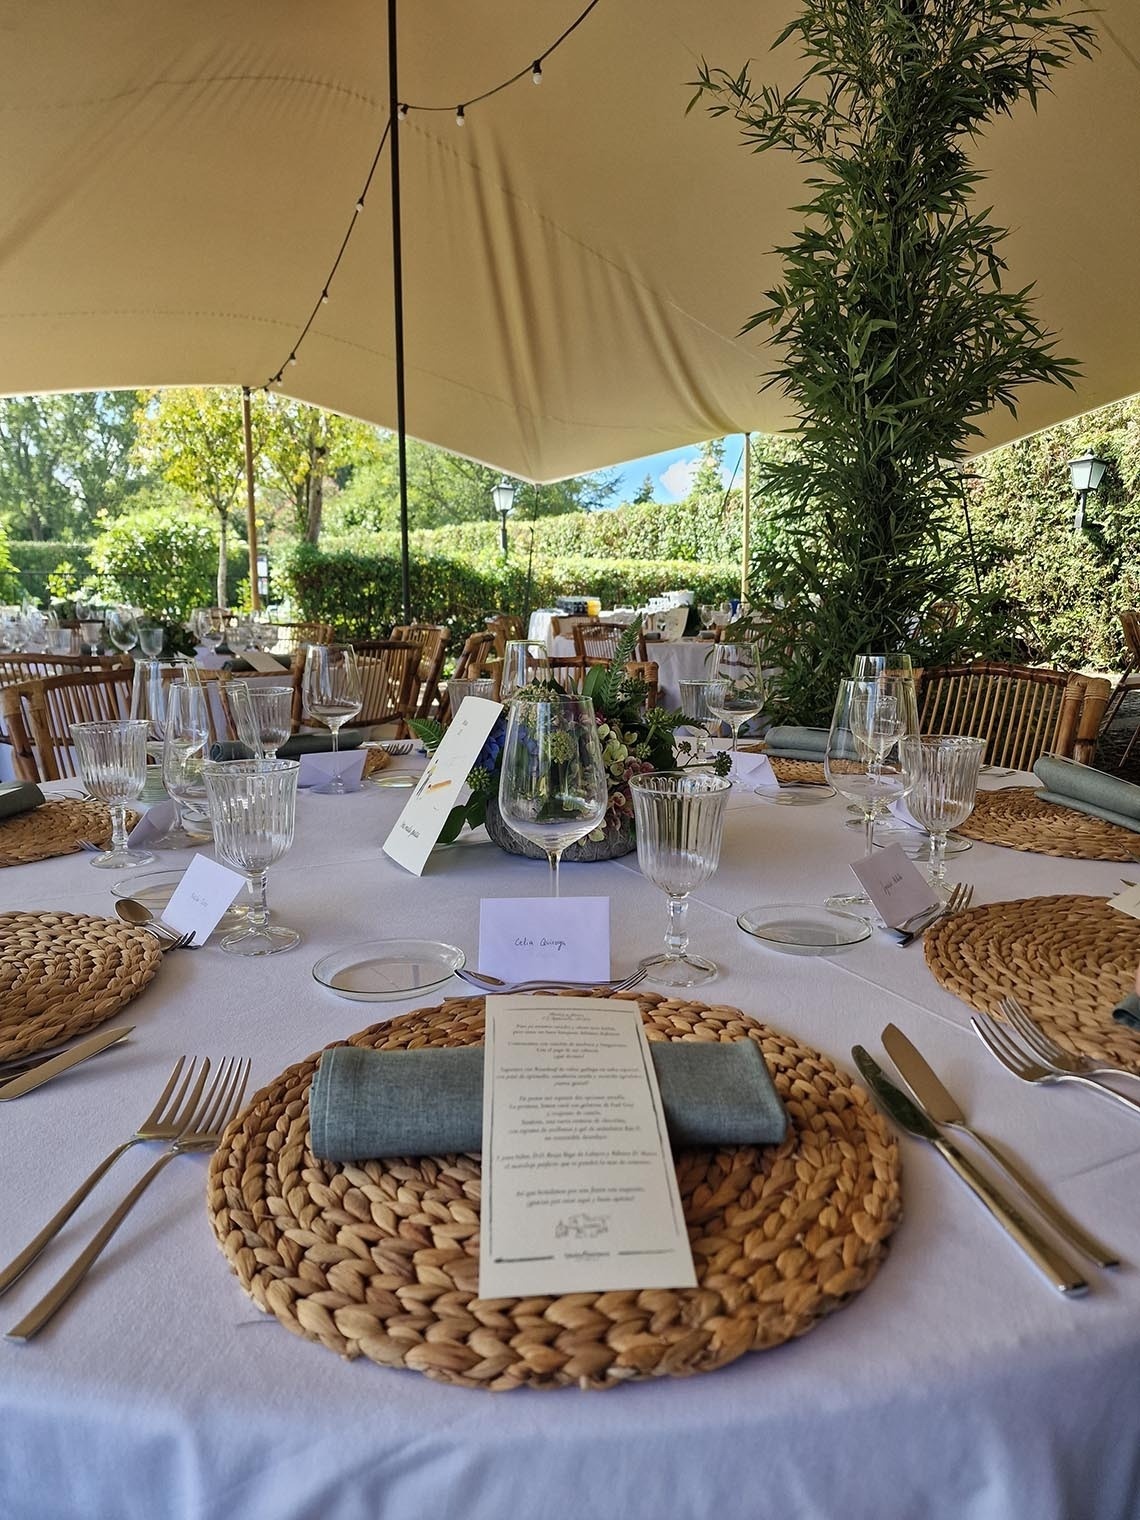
x: 1129, y: 678
x: 504, y: 626
x: 476, y: 658
x: 38, y: 716
x: 16, y: 669
x: 597, y: 644
x: 388, y: 679
x: 1020, y: 711
x: 432, y: 639
x: 646, y: 670
x: 296, y: 635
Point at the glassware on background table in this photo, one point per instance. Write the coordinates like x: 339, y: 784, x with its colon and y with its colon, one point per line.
x: 332, y: 692
x: 942, y: 784
x: 185, y: 746
x: 92, y: 631
x: 252, y: 807
x: 152, y: 636
x: 240, y: 636
x: 122, y: 628
x: 526, y: 662
x: 738, y: 666
x: 855, y: 763
x: 263, y: 716
x: 474, y: 686
x: 111, y: 756
x: 553, y: 786
x: 680, y: 823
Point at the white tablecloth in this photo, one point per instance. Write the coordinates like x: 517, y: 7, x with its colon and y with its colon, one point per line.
x: 957, y: 1386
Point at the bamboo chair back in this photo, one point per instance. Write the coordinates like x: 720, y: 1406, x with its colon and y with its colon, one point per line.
x: 476, y: 658
x: 646, y: 670
x: 597, y: 644
x: 16, y: 669
x: 1021, y: 712
x: 39, y: 714
x: 388, y: 678
x: 294, y: 636
x: 503, y: 626
x: 432, y: 639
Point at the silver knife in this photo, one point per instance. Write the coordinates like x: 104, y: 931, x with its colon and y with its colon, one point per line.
x: 16, y: 1087
x: 941, y: 1108
x: 908, y: 936
x: 1055, y: 1266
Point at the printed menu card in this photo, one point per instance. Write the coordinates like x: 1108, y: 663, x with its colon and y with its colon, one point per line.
x: 579, y: 1191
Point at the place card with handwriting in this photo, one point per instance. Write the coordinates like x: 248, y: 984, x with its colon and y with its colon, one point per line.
x: 1127, y: 901
x: 523, y: 938
x: 319, y: 767
x: 268, y: 664
x: 197, y: 903
x: 579, y: 1190
x: 895, y: 886
x: 440, y: 787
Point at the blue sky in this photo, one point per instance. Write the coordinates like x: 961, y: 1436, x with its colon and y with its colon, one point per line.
x: 672, y: 472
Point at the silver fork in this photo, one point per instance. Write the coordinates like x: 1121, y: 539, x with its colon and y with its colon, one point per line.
x: 166, y: 1121
x: 397, y: 746
x: 220, y: 1104
x: 961, y: 896
x: 1002, y: 1045
x: 169, y: 939
x: 487, y: 983
x: 1046, y: 1049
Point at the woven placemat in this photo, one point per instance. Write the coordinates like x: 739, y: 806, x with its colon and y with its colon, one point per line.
x: 375, y: 760
x: 1017, y: 818
x: 1068, y: 959
x: 381, y: 1259
x: 61, y: 974
x: 56, y: 827
x: 806, y: 772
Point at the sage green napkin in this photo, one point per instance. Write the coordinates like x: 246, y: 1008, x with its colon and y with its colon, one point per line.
x: 788, y: 741
x: 1087, y: 790
x: 368, y: 1103
x: 295, y: 746
x: 1127, y: 1011
x: 19, y: 797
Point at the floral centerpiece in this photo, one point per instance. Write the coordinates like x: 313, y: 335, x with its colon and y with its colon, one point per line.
x: 634, y: 739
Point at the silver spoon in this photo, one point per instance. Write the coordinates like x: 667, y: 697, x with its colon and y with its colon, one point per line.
x: 131, y: 911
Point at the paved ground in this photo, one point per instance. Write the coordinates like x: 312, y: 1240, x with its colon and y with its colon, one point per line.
x: 1115, y: 739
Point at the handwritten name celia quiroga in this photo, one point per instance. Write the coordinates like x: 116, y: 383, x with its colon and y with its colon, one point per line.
x: 524, y: 942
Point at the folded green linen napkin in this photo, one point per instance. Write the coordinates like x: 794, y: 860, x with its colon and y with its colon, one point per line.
x: 295, y: 746
x: 368, y: 1103
x: 790, y: 742
x: 1127, y: 1011
x: 1087, y: 790
x: 19, y: 797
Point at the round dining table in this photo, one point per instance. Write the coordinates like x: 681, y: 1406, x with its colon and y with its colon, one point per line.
x: 957, y: 1385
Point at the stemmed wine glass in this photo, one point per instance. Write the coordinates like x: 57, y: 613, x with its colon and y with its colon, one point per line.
x: 526, y: 662
x: 263, y: 716
x: 185, y: 743
x: 859, y: 763
x: 333, y: 693
x: 680, y: 823
x: 942, y: 780
x: 152, y: 636
x: 738, y: 666
x: 122, y: 628
x: 111, y: 756
x: 553, y: 787
x: 253, y: 806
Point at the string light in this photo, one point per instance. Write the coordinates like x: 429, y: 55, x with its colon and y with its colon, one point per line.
x: 402, y: 111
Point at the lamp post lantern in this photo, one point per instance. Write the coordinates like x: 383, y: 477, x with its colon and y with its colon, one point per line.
x: 1085, y: 473
x: 503, y: 495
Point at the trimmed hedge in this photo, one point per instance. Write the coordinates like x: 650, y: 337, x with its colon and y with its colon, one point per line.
x: 35, y: 560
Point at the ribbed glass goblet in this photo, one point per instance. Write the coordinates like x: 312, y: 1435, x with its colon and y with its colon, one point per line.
x: 942, y: 771
x: 111, y: 756
x: 252, y: 806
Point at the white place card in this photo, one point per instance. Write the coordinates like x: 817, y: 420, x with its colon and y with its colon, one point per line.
x: 154, y: 823
x: 440, y: 787
x: 258, y: 659
x: 895, y: 886
x: 1127, y: 901
x: 205, y: 892
x: 319, y: 768
x: 523, y: 938
x: 747, y: 765
x: 579, y: 1191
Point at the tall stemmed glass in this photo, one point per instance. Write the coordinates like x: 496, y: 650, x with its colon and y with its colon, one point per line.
x: 859, y: 769
x: 526, y: 662
x: 263, y: 716
x: 333, y: 693
x: 679, y: 818
x: 738, y: 666
x: 112, y: 761
x: 553, y: 787
x: 122, y: 628
x: 186, y: 741
x: 252, y: 805
x: 942, y: 778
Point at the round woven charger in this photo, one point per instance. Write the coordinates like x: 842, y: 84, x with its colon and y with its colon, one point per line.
x: 1068, y: 959
x: 56, y: 827
x: 381, y: 1258
x: 806, y: 772
x: 1016, y: 817
x: 61, y: 974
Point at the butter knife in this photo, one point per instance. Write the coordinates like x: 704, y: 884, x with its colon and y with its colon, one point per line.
x: 16, y: 1087
x: 1052, y: 1263
x: 940, y: 1107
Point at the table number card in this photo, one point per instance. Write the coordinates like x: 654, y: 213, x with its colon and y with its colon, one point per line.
x: 523, y: 938
x: 895, y: 886
x: 439, y: 788
x: 206, y: 890
x: 579, y: 1190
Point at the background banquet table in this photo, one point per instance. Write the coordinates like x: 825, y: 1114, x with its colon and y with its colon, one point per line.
x: 956, y: 1385
x: 677, y: 659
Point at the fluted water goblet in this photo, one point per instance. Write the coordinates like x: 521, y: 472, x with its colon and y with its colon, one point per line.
x: 252, y: 808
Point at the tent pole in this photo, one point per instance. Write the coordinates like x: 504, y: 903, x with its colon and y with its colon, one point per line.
x: 746, y: 518
x: 398, y: 307
x: 250, y: 512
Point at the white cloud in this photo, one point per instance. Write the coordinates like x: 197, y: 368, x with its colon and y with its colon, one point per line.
x: 677, y: 481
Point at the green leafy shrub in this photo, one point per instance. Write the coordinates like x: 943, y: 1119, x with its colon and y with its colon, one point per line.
x: 37, y: 562
x: 164, y: 559
x: 10, y: 588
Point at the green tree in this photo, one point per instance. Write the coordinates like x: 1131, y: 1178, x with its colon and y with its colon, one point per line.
x: 160, y: 557
x: 644, y: 492
x: 302, y: 447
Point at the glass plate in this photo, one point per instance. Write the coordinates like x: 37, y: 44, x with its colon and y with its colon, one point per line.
x: 796, y: 794
x: 804, y: 928
x: 384, y: 969
x: 154, y: 889
x: 915, y: 844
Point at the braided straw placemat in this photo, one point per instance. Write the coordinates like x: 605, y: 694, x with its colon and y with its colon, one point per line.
x: 806, y: 772
x: 381, y: 1258
x: 61, y: 974
x: 1016, y: 817
x: 56, y: 827
x: 1068, y: 959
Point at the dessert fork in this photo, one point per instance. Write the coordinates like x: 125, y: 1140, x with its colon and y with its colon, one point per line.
x: 1003, y: 1046
x: 1046, y: 1049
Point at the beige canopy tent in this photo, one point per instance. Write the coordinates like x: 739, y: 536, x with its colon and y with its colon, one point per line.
x: 578, y: 257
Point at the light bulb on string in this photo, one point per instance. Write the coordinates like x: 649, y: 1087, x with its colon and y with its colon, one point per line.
x: 359, y: 207
x: 536, y: 71
x: 402, y: 111
x: 460, y: 116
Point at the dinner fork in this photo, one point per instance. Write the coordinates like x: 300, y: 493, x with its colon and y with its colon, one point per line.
x: 1003, y: 1046
x: 217, y: 1108
x: 961, y: 896
x: 487, y: 983
x: 166, y: 1121
x: 1048, y: 1051
x: 397, y: 746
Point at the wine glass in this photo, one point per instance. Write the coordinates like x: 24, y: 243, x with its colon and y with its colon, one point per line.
x: 526, y: 662
x: 942, y: 780
x: 240, y: 636
x: 333, y: 693
x: 122, y: 628
x: 858, y: 768
x: 111, y: 756
x: 185, y: 744
x: 553, y: 787
x: 252, y: 807
x: 92, y: 630
x: 148, y: 701
x: 263, y: 716
x: 152, y: 636
x: 680, y: 822
x: 738, y: 666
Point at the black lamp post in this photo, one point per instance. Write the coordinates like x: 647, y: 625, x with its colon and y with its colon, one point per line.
x: 1086, y: 474
x: 503, y: 495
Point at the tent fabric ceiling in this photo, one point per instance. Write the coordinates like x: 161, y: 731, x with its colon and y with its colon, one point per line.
x: 579, y: 258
